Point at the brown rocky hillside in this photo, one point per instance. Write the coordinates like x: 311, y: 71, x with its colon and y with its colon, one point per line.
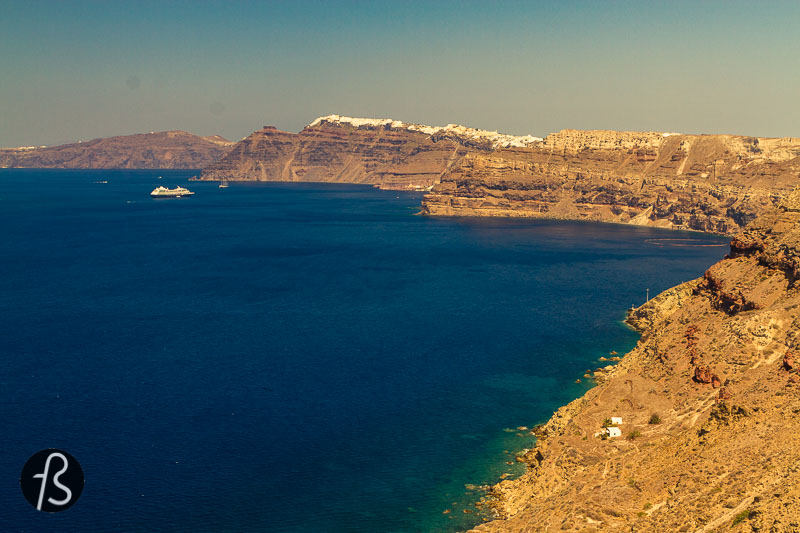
x: 710, y: 402
x: 166, y: 149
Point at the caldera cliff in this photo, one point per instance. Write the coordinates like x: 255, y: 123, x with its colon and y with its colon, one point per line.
x: 382, y: 152
x: 710, y: 407
x: 715, y: 183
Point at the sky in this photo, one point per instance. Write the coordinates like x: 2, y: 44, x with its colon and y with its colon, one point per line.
x: 79, y: 70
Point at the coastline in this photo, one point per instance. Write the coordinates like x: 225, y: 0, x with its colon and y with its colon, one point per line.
x: 453, y: 419
x: 490, y: 503
x: 545, y: 217
x: 508, y: 498
x: 707, y: 398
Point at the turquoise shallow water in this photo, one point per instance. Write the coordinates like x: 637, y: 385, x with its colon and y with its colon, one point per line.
x: 293, y: 357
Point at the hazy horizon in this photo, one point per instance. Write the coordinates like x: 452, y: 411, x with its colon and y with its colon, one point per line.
x: 87, y: 69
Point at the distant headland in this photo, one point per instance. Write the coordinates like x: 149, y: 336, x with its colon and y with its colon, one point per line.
x: 164, y: 149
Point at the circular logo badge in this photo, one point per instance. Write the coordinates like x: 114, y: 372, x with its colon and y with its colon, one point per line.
x: 52, y: 480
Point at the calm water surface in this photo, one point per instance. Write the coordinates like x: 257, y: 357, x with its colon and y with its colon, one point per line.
x: 292, y: 357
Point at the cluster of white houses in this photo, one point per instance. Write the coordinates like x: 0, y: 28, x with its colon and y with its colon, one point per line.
x: 612, y: 430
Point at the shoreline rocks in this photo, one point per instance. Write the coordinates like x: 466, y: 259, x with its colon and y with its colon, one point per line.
x: 728, y: 433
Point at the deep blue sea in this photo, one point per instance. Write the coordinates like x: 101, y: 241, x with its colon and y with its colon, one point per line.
x: 293, y: 357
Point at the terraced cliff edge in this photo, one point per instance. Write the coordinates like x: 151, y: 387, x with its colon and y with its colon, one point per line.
x: 714, y: 183
x: 166, y: 149
x: 710, y: 407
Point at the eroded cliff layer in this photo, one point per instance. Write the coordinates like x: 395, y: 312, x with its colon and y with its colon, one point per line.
x: 166, y: 149
x: 384, y: 158
x: 714, y: 183
x: 381, y: 152
x: 709, y: 401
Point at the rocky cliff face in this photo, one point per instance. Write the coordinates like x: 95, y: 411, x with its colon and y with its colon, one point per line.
x: 381, y: 152
x: 709, y: 400
x: 325, y: 152
x: 714, y: 183
x: 166, y: 149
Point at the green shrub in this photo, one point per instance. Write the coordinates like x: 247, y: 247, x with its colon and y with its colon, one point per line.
x: 635, y: 434
x: 741, y: 517
x: 654, y: 419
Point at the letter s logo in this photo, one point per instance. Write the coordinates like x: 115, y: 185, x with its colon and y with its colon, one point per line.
x: 67, y: 481
x: 57, y: 475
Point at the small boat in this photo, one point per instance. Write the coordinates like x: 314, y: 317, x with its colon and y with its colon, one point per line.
x: 223, y: 184
x: 177, y: 192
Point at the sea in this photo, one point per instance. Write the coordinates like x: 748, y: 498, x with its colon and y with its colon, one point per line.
x: 293, y: 357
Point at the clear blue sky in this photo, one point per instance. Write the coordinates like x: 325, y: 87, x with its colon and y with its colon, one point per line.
x: 78, y: 70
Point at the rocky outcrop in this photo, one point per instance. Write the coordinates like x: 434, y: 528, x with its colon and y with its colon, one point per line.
x: 715, y: 183
x: 691, y: 458
x: 702, y: 374
x: 166, y: 149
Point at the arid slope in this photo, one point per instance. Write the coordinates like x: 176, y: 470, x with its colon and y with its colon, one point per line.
x: 717, y: 365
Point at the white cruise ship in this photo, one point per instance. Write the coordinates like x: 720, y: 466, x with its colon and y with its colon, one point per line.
x: 177, y: 192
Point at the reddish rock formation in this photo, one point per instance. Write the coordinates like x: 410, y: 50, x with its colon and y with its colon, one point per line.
x: 723, y: 395
x: 702, y: 374
x: 691, y: 343
x: 716, y: 382
x: 166, y: 149
x: 788, y: 361
x: 692, y: 335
